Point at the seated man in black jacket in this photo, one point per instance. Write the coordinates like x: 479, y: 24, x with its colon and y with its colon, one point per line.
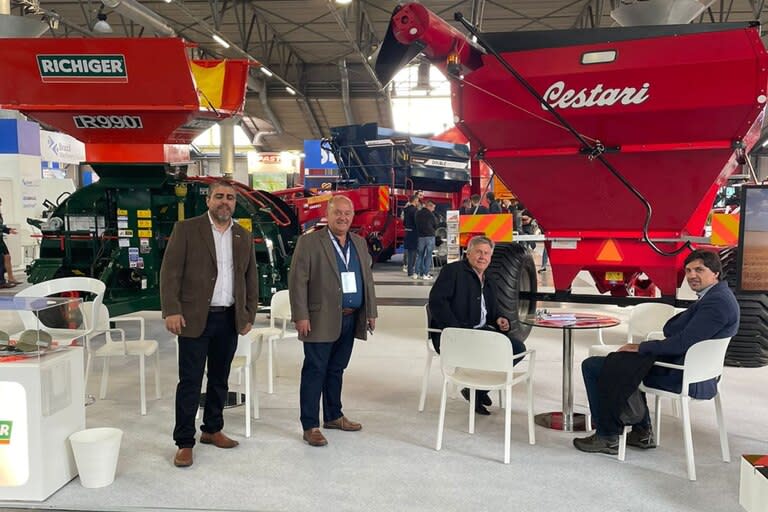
x: 461, y: 297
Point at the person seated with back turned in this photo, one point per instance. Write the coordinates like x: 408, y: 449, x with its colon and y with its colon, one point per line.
x: 462, y: 297
x: 714, y: 315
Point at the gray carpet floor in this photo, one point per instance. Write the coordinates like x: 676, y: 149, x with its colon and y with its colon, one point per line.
x: 392, y: 463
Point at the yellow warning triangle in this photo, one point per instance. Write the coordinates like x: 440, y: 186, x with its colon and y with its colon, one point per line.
x: 609, y: 252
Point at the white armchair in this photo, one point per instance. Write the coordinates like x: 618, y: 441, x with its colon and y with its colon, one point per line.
x: 478, y: 359
x: 139, y: 347
x: 646, y: 321
x: 703, y: 361
x: 280, y: 311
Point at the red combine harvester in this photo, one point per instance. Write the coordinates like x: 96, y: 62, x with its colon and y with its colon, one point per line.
x: 379, y: 169
x: 616, y: 139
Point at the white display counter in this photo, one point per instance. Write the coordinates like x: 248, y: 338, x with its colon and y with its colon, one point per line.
x: 41, y: 405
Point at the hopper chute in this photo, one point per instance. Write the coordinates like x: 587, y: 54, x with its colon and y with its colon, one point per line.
x: 127, y: 99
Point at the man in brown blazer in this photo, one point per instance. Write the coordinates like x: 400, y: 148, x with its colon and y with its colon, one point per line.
x: 333, y: 301
x: 209, y: 293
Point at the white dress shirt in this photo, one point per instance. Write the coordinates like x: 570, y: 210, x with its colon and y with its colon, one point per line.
x: 224, y: 290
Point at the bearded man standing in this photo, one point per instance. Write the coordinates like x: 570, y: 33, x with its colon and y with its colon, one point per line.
x: 209, y: 294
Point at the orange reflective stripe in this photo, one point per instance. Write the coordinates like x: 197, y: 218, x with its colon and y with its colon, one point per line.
x: 383, y: 199
x: 497, y: 227
x: 725, y: 228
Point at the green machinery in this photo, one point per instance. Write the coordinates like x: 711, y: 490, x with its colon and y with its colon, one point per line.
x: 116, y: 230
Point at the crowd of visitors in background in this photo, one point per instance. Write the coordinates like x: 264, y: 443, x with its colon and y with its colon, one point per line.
x: 420, y: 223
x: 417, y: 261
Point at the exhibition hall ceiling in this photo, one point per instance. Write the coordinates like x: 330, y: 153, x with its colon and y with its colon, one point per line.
x: 321, y: 49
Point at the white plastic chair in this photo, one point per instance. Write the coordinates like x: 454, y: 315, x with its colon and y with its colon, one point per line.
x: 646, y: 320
x: 431, y: 356
x: 65, y: 336
x: 242, y: 375
x: 478, y: 359
x: 703, y: 361
x: 243, y: 369
x: 280, y: 309
x: 139, y: 347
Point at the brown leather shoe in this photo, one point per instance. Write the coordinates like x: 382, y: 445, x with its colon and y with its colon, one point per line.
x: 343, y: 424
x: 183, y: 458
x: 314, y: 437
x: 218, y: 440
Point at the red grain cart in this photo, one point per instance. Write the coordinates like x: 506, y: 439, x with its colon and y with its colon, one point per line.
x: 616, y: 139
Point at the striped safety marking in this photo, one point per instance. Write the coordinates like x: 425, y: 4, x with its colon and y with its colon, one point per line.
x: 497, y: 227
x: 725, y: 228
x: 383, y: 199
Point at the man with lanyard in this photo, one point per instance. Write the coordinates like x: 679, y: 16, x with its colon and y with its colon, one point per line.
x: 461, y: 297
x: 333, y: 301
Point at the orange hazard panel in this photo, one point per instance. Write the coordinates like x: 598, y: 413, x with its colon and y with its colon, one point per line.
x: 383, y: 199
x: 500, y: 190
x: 609, y: 252
x: 725, y: 228
x: 497, y: 227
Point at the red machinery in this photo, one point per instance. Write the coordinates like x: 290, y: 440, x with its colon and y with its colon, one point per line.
x: 615, y: 139
x: 129, y: 100
x: 137, y: 104
x: 374, y: 217
x: 379, y: 169
x: 670, y: 107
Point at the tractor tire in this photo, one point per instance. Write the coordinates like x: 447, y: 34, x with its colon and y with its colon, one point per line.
x: 385, y: 255
x: 512, y: 270
x: 749, y: 347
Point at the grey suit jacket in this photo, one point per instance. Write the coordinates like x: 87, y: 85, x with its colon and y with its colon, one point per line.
x: 315, y: 287
x: 188, y: 274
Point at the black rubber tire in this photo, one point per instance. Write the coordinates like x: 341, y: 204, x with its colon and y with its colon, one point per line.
x: 386, y: 255
x: 749, y: 348
x: 511, y: 271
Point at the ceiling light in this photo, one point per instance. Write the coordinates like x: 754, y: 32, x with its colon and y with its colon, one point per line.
x: 266, y: 71
x: 167, y: 1
x: 290, y: 91
x: 144, y: 16
x: 220, y: 40
x: 343, y: 2
x: 101, y: 26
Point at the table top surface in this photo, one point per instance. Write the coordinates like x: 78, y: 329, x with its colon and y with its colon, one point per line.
x: 34, y: 303
x: 570, y: 320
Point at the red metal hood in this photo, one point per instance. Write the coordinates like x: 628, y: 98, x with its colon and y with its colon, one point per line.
x: 119, y: 91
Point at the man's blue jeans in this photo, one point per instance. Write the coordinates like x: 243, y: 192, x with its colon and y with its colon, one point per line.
x: 424, y: 258
x: 323, y: 373
x: 590, y: 369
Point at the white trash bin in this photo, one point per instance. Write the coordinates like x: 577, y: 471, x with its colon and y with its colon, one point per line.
x: 96, y: 451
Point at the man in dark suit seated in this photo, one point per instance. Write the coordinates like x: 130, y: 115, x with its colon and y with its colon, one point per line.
x: 463, y: 297
x: 714, y: 315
